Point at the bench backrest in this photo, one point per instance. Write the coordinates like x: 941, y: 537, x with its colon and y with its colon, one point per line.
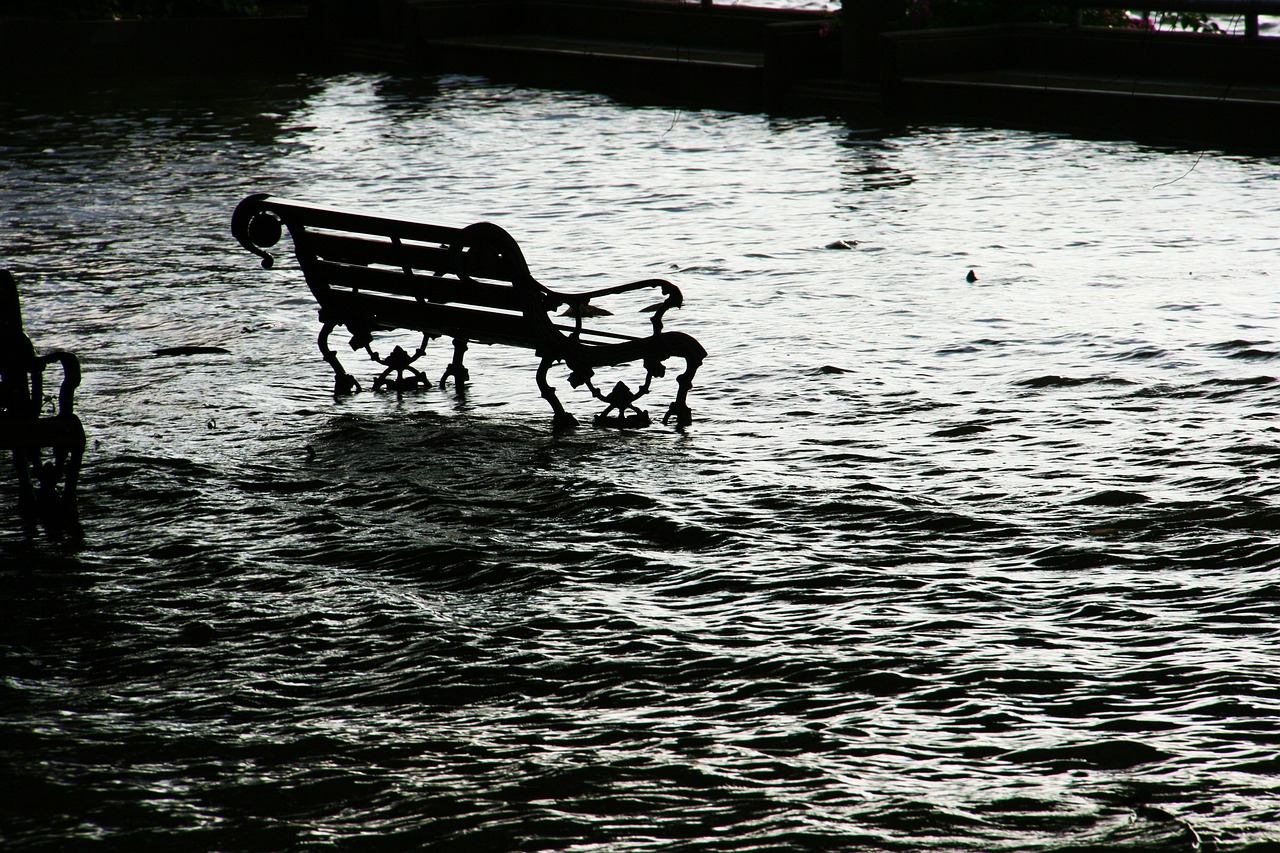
x: 395, y: 272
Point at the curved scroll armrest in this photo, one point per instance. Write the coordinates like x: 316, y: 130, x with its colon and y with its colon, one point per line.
x: 70, y: 377
x: 575, y: 301
x: 256, y: 228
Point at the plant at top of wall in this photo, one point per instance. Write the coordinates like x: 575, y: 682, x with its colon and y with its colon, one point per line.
x: 1197, y: 22
x: 915, y: 14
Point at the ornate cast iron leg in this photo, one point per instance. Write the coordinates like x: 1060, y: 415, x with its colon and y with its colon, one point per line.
x: 343, y: 383
x: 75, y: 455
x: 561, y: 419
x: 49, y: 473
x: 679, y: 409
x: 26, y: 493
x: 456, y: 369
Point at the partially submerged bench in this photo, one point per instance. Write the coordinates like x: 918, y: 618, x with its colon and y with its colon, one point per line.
x: 44, y: 434
x: 374, y: 274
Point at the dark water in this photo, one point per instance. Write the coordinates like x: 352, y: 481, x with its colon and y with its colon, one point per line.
x: 941, y: 565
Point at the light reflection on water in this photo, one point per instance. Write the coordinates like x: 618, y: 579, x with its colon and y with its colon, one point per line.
x: 941, y: 564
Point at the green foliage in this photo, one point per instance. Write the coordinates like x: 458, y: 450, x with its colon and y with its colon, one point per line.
x: 910, y: 14
x: 1195, y: 21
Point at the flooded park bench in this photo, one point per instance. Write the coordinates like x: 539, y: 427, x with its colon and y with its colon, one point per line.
x: 375, y: 274
x: 45, y: 436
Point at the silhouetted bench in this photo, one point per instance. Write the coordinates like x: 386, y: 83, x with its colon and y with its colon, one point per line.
x: 373, y: 273
x: 45, y: 436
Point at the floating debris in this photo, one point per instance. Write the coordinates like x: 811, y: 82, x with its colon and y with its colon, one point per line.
x: 191, y: 350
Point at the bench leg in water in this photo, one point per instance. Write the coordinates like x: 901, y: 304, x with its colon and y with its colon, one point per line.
x: 26, y: 494
x: 63, y: 470
x: 47, y: 482
x: 456, y: 369
x: 561, y: 419
x: 343, y: 383
x: 679, y: 409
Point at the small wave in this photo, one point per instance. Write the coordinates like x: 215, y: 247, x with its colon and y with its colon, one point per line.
x: 961, y: 431
x: 1057, y: 381
x: 1106, y: 755
x: 1141, y: 354
x: 1113, y: 497
x: 1235, y: 346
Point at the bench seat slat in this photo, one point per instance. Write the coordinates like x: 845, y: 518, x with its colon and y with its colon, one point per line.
x: 365, y: 250
x: 489, y: 327
x: 317, y: 216
x: 481, y: 326
x: 429, y: 287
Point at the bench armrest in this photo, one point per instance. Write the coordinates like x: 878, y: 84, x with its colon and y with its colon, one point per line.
x: 70, y: 378
x: 577, y: 301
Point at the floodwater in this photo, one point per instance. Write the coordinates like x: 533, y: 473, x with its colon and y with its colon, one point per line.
x: 940, y: 565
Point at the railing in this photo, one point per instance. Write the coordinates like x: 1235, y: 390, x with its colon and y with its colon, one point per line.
x: 1250, y: 10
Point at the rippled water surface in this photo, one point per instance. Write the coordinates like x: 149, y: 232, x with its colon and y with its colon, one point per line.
x: 940, y: 565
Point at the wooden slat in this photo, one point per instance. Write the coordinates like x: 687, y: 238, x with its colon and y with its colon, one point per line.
x: 451, y: 320
x: 316, y: 216
x: 474, y: 324
x: 371, y: 249
x: 428, y: 287
x: 359, y: 249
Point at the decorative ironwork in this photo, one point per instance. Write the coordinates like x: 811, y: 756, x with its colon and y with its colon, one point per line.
x: 400, y: 362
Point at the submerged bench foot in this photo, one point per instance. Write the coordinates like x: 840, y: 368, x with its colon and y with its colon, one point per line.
x: 344, y: 383
x: 681, y: 412
x: 49, y: 474
x: 561, y: 419
x: 456, y: 369
x: 26, y: 494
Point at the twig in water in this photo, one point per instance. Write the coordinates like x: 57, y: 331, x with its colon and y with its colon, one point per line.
x: 1199, y: 157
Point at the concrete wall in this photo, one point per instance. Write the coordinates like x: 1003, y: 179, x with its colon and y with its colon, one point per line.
x: 45, y: 47
x: 724, y: 26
